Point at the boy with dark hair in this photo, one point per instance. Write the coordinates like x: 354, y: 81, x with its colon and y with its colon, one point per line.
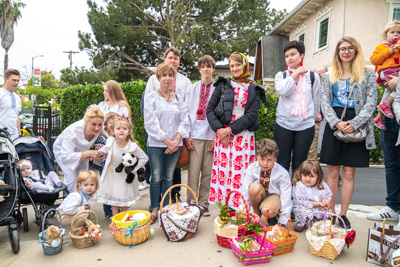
x: 269, y: 184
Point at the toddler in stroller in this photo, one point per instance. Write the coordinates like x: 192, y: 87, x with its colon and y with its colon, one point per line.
x: 35, y: 181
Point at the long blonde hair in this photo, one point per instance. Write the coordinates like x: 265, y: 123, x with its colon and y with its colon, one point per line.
x: 357, y: 65
x: 116, y: 95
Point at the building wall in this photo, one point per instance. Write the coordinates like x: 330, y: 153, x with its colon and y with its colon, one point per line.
x: 362, y: 19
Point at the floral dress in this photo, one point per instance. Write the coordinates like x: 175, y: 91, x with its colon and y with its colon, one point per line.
x: 230, y: 163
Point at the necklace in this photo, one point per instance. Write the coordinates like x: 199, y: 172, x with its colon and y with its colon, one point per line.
x: 169, y: 94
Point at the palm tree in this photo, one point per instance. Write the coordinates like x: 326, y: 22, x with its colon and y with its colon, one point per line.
x: 10, y: 12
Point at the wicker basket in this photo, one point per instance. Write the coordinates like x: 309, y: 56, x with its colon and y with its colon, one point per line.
x: 232, y: 231
x: 288, y: 241
x: 48, y: 249
x: 82, y: 241
x: 130, y: 233
x: 262, y: 255
x: 180, y: 227
x: 327, y: 251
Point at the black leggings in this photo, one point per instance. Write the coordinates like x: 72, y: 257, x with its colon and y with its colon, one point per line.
x: 296, y: 143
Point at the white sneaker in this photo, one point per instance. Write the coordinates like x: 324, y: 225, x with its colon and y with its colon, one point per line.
x: 387, y: 213
x: 144, y: 185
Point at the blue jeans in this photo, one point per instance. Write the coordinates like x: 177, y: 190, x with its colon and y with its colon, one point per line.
x: 391, y: 158
x: 162, y: 168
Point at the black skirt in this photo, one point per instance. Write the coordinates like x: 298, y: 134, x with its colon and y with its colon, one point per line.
x: 335, y: 152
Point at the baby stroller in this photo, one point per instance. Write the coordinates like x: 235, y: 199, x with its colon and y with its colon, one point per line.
x: 35, y: 150
x: 9, y: 191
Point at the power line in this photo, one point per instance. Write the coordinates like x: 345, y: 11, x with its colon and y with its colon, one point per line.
x: 70, y: 56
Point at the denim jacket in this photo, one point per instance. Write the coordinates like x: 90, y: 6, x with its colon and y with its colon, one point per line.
x: 365, y: 96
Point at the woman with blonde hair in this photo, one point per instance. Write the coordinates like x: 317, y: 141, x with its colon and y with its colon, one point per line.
x: 114, y: 100
x: 166, y: 122
x: 71, y: 148
x: 348, y: 73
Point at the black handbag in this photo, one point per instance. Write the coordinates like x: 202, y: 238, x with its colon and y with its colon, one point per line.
x: 219, y: 109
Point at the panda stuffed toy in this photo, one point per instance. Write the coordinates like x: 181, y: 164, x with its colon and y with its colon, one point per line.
x: 129, y: 162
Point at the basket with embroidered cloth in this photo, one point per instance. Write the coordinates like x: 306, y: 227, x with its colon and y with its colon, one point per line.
x: 179, y: 220
x: 326, y: 240
x: 131, y: 227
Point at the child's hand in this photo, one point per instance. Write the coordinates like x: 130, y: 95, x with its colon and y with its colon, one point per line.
x: 27, y: 182
x: 326, y: 204
x: 86, y: 206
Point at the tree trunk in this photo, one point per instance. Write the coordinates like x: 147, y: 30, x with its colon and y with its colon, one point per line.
x: 6, y: 60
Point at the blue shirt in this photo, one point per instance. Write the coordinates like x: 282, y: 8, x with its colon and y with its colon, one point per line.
x: 341, y: 92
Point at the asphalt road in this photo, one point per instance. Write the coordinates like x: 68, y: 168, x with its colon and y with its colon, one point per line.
x: 370, y: 187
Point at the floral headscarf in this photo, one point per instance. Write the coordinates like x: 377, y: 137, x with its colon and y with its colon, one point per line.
x: 245, y: 72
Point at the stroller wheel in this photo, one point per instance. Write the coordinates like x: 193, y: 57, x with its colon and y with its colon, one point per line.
x: 25, y: 219
x: 14, y: 240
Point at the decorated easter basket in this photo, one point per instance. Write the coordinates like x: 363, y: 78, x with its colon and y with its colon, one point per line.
x: 287, y: 239
x: 88, y: 239
x: 226, y: 231
x: 327, y: 240
x: 262, y: 252
x: 51, y: 247
x: 180, y: 220
x: 130, y: 233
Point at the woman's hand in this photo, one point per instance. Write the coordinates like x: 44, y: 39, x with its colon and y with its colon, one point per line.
x: 172, y: 146
x: 296, y: 74
x: 189, y: 143
x: 90, y: 155
x: 341, y: 125
x: 211, y: 146
x: 221, y: 133
x: 392, y: 84
x: 225, y: 141
x: 348, y: 129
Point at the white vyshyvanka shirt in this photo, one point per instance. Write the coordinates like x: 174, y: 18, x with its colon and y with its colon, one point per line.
x: 198, y: 129
x: 286, y: 89
x: 163, y: 120
x: 119, y: 109
x: 280, y: 184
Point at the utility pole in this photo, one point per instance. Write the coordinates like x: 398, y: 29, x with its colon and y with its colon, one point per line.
x: 70, y: 57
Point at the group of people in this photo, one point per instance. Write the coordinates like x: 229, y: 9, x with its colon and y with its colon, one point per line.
x: 217, y: 121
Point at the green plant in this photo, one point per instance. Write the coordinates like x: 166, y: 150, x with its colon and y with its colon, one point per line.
x: 246, y: 243
x: 254, y: 227
x: 226, y: 217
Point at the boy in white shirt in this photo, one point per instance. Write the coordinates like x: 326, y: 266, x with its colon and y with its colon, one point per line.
x: 268, y: 183
x: 10, y: 104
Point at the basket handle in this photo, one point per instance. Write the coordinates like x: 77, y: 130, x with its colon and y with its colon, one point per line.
x: 290, y: 220
x: 244, y: 202
x: 75, y: 218
x: 177, y: 185
x: 44, y: 219
x: 265, y: 234
x: 330, y: 213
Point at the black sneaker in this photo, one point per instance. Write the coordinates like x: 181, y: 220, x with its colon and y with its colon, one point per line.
x: 333, y: 220
x: 346, y: 222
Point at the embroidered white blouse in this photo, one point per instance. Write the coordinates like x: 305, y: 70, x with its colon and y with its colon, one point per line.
x: 164, y: 120
x: 280, y: 184
x: 304, y: 195
x: 119, y: 109
x: 182, y: 85
x: 198, y: 129
x: 286, y: 89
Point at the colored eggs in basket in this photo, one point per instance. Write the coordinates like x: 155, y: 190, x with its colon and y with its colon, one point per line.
x: 138, y: 216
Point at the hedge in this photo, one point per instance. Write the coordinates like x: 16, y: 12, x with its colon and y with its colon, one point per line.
x: 75, y: 100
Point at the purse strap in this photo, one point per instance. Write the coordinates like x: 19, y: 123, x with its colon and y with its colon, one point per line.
x: 384, y: 255
x: 348, y: 99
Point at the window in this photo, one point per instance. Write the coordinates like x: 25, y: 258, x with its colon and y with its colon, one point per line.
x: 322, y: 29
x: 300, y: 33
x: 394, y: 10
x: 300, y: 37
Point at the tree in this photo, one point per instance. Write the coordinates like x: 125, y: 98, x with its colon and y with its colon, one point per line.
x: 10, y: 12
x: 87, y: 76
x: 133, y: 34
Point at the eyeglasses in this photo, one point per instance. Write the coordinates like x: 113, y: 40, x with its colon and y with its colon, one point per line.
x: 346, y: 49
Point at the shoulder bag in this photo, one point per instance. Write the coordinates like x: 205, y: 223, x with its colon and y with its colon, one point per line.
x: 219, y: 109
x: 358, y: 135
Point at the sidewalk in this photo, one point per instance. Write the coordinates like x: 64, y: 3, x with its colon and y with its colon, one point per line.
x: 201, y: 250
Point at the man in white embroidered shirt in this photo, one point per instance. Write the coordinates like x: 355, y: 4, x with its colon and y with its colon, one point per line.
x: 10, y: 104
x: 179, y: 86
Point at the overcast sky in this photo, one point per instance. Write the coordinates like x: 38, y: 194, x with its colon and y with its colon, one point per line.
x: 50, y: 27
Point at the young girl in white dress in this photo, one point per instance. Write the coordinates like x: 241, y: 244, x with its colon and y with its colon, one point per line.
x: 87, y: 184
x: 310, y: 193
x: 114, y: 190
